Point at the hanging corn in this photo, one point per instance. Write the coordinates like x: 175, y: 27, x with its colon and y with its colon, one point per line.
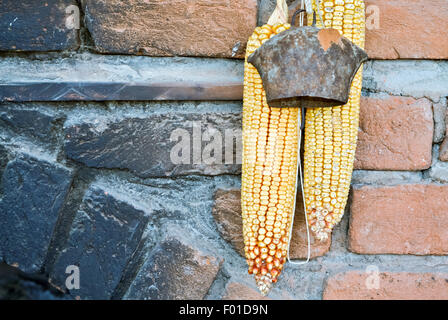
x: 269, y: 166
x: 331, y: 133
x: 271, y: 134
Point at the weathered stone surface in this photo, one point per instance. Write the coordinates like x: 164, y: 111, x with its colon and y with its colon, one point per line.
x: 227, y: 213
x: 239, y: 291
x: 217, y: 28
x: 439, y: 170
x: 403, y: 38
x: 105, y: 234
x: 36, y: 26
x: 440, y: 111
x: 385, y: 177
x: 34, y: 190
x: 403, y: 219
x: 395, y: 134
x: 357, y: 285
x: 120, y: 78
x: 176, y: 269
x: 414, y: 78
x: 31, y: 122
x: 158, y: 144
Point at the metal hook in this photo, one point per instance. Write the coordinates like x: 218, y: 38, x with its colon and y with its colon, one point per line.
x: 293, y: 20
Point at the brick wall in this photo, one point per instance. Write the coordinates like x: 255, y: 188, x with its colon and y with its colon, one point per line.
x: 89, y: 119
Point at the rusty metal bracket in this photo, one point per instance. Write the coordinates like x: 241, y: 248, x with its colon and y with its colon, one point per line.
x: 307, y: 67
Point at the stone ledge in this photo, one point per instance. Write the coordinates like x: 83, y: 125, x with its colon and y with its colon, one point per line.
x: 91, y: 77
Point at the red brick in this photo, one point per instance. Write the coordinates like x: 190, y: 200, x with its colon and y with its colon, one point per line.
x: 227, y: 214
x: 411, y: 29
x: 403, y: 219
x: 238, y: 291
x: 167, y: 28
x: 356, y: 285
x: 395, y: 134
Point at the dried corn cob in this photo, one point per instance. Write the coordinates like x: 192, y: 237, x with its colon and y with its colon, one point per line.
x: 331, y: 133
x: 270, y: 154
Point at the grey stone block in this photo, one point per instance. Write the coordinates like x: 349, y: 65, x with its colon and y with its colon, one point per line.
x: 18, y: 285
x: 414, y: 78
x: 385, y: 177
x: 30, y: 122
x: 439, y: 170
x: 37, y: 25
x: 177, y: 268
x: 33, y: 192
x: 439, y: 110
x: 104, y: 236
x: 147, y: 144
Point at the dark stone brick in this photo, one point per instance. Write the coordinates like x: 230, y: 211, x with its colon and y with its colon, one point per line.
x: 33, y: 192
x: 176, y: 269
x: 36, y: 26
x: 33, y: 123
x: 105, y: 234
x: 17, y: 285
x: 143, y: 146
